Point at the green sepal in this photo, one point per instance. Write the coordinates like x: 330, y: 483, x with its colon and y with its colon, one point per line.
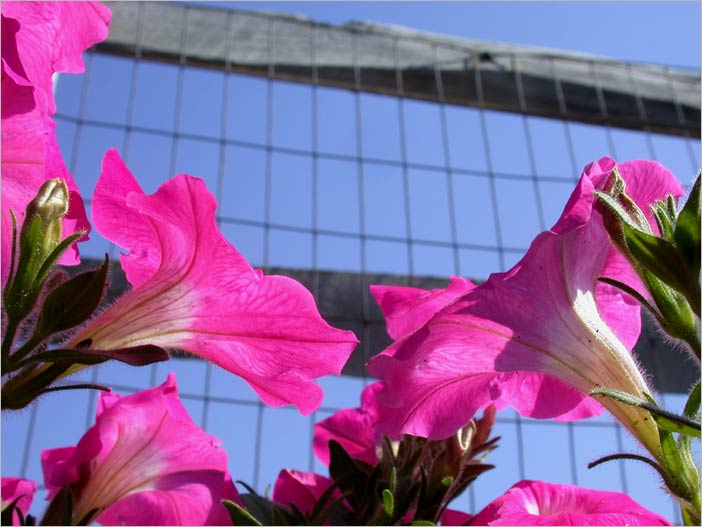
x: 259, y: 508
x: 238, y: 515
x: 687, y: 228
x: 666, y: 223
x: 692, y: 406
x: 662, y: 258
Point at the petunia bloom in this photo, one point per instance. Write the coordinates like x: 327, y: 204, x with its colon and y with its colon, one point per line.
x: 192, y: 290
x: 38, y: 40
x: 548, y: 315
x: 302, y: 489
x: 540, y: 503
x: 352, y: 428
x: 21, y: 490
x: 144, y: 462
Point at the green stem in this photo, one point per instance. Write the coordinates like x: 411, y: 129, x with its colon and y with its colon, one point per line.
x: 7, y: 340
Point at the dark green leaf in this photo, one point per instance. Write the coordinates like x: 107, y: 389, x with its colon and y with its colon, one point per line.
x: 238, y: 515
x: 259, y: 507
x: 60, y: 510
x: 421, y: 522
x: 8, y: 512
x: 73, y: 302
x: 18, y: 392
x: 135, y: 356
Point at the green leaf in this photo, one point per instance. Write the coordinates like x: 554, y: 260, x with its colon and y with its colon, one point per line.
x: 238, y: 515
x: 687, y: 228
x: 678, y: 424
x: 388, y: 502
x: 421, y: 522
x: 692, y: 406
x: 73, y: 302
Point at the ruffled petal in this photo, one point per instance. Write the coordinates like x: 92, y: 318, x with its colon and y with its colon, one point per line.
x: 193, y: 290
x: 541, y: 503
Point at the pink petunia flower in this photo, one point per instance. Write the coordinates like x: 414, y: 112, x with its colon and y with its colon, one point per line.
x: 352, y: 428
x: 547, y: 316
x: 49, y: 37
x: 144, y: 462
x: 540, y: 503
x: 14, y: 488
x: 303, y: 489
x: 194, y: 291
x: 40, y: 39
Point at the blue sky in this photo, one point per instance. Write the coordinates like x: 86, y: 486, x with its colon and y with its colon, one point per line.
x: 395, y: 204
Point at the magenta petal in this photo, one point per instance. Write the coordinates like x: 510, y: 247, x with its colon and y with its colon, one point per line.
x: 548, y: 316
x: 352, y: 428
x: 302, y: 489
x: 408, y: 308
x: 30, y: 156
x: 453, y: 517
x: 145, y: 450
x: 14, y: 488
x: 193, y: 290
x: 540, y: 503
x: 51, y: 38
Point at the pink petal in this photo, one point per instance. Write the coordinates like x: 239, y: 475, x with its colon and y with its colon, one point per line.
x: 13, y: 488
x: 145, y: 450
x: 352, y: 428
x: 51, y: 38
x: 540, y: 503
x: 193, y: 290
x: 303, y: 489
x: 453, y: 517
x: 544, y: 317
x: 408, y: 308
x: 30, y: 156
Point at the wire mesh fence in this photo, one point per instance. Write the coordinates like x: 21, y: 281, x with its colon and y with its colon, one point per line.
x: 350, y: 156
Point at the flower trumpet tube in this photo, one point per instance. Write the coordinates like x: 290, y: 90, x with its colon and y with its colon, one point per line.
x: 192, y: 290
x: 540, y: 336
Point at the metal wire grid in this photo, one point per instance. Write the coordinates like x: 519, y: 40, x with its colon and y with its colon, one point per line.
x: 514, y: 428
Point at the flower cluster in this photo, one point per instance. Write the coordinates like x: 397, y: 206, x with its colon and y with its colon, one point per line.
x: 552, y: 338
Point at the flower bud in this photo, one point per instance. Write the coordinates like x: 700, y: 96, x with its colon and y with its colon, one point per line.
x: 49, y: 206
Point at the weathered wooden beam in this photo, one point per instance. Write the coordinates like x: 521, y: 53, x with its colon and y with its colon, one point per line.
x: 344, y: 301
x: 377, y: 58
